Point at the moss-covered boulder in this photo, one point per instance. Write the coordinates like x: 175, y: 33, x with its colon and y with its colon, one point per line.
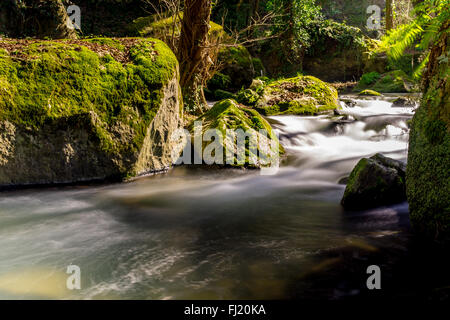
x: 302, y: 95
x: 396, y: 81
x: 226, y: 117
x: 369, y: 92
x: 428, y: 171
x: 374, y: 182
x: 75, y: 110
x: 237, y: 63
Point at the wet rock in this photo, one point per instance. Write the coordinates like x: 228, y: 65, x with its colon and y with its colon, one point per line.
x: 375, y: 181
x: 402, y: 102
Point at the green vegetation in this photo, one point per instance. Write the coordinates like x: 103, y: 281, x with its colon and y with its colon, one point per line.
x: 394, y: 81
x: 421, y: 33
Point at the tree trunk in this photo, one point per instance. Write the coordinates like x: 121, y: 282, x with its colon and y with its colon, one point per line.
x: 193, y: 52
x: 389, y: 15
x: 48, y: 18
x: 428, y: 168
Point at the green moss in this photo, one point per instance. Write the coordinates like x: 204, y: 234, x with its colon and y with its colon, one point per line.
x: 428, y: 169
x: 219, y: 81
x: 228, y: 115
x: 258, y: 66
x: 369, y: 92
x: 153, y: 26
x: 248, y: 97
x: 48, y: 80
x: 302, y: 95
x: 222, y: 94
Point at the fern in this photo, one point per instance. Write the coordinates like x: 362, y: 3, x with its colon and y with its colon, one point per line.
x: 417, y: 73
x: 431, y: 15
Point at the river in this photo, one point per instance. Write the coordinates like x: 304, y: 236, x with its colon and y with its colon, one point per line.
x: 204, y: 233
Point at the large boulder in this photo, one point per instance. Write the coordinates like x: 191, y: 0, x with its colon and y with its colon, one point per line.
x: 228, y: 116
x: 428, y: 172
x: 237, y: 63
x: 302, y: 95
x: 375, y: 181
x: 75, y: 110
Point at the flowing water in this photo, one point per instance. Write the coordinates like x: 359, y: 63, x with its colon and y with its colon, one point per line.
x: 203, y: 233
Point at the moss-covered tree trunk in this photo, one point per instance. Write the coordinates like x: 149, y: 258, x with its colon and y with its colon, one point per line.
x: 389, y: 15
x: 193, y: 52
x: 428, y: 170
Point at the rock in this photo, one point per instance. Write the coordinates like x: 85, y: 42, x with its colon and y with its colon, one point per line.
x: 219, y: 81
x: 302, y: 95
x: 86, y: 111
x: 374, y: 182
x: 228, y: 115
x: 402, y: 102
x: 428, y: 170
x: 368, y: 92
x: 222, y: 94
x: 248, y: 97
x: 237, y: 63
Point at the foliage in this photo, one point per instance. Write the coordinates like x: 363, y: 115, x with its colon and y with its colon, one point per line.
x: 369, y: 78
x: 421, y: 32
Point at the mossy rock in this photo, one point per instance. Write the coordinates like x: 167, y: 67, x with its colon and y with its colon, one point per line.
x: 428, y: 170
x: 227, y: 115
x: 78, y: 110
x: 374, y: 182
x: 237, y: 63
x: 219, y: 81
x: 222, y: 94
x: 369, y: 92
x: 396, y: 81
x: 302, y: 95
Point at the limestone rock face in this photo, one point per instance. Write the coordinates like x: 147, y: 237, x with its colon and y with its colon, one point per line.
x: 428, y: 171
x: 375, y: 181
x: 103, y: 109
